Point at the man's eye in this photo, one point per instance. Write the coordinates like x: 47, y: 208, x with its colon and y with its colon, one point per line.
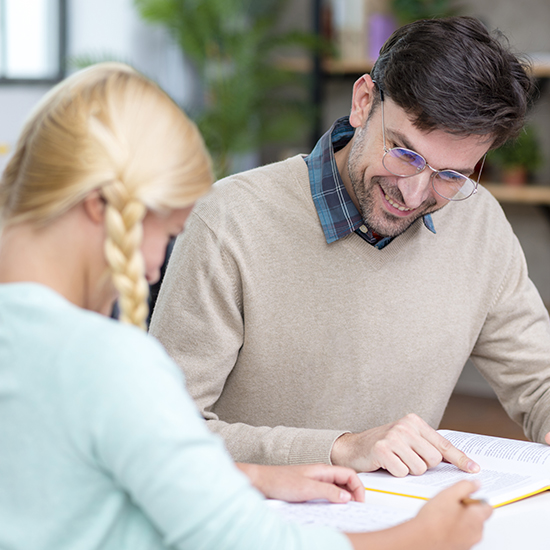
x: 451, y: 176
x: 408, y: 156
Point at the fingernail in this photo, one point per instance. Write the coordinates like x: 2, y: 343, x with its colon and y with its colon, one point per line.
x: 473, y: 467
x: 344, y: 496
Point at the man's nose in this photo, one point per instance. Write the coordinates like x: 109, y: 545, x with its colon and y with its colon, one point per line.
x: 416, y: 189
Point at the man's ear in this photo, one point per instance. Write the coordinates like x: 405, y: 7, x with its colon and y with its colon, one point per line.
x: 94, y: 207
x: 362, y: 100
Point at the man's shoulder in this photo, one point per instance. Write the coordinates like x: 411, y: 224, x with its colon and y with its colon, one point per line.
x: 476, y: 235
x: 295, y: 165
x: 265, y: 183
x: 479, y: 218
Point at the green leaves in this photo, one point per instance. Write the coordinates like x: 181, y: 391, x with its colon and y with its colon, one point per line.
x: 248, y: 99
x: 408, y: 11
x: 524, y: 151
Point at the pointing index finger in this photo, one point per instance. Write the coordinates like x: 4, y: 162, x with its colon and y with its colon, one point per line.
x: 453, y: 455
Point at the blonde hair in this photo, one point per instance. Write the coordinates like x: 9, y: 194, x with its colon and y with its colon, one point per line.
x: 107, y: 128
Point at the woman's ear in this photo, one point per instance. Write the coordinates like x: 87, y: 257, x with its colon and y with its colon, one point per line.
x: 94, y: 207
x: 362, y: 100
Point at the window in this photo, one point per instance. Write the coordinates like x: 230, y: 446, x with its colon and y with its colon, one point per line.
x: 32, y: 40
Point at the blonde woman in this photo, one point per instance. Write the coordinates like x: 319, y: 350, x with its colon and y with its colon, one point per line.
x: 101, y: 446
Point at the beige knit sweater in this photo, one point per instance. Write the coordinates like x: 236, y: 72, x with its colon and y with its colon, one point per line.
x: 286, y: 342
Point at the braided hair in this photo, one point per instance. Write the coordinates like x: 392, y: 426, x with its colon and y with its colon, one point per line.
x: 112, y: 130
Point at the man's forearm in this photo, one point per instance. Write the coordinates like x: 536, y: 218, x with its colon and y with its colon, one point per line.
x: 278, y: 446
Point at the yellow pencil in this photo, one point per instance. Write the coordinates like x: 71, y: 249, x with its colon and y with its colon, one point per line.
x: 467, y: 501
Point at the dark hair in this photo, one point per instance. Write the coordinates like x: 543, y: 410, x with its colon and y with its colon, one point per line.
x: 452, y: 74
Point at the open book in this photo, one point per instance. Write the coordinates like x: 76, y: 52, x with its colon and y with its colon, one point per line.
x: 510, y: 470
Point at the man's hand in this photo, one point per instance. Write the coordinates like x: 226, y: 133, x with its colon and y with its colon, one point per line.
x: 547, y: 438
x: 305, y: 482
x: 408, y: 446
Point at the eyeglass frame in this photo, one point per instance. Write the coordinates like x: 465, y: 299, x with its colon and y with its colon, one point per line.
x: 434, y: 171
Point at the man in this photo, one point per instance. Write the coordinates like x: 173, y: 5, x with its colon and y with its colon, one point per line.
x: 315, y: 303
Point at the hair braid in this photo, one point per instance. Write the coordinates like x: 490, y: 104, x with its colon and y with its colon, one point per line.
x: 123, y: 218
x: 107, y: 128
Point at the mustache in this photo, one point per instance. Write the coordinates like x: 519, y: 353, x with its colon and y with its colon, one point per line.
x: 395, y: 194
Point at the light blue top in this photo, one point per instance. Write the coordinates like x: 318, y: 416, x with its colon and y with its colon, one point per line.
x: 102, y: 448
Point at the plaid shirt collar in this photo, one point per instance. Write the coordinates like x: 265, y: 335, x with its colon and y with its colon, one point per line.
x: 337, y: 213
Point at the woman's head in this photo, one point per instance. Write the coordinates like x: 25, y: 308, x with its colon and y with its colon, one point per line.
x: 111, y: 131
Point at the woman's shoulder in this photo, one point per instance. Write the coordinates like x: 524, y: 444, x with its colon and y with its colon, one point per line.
x: 111, y: 349
x: 74, y: 342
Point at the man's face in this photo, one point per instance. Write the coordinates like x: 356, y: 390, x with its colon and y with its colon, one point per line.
x: 389, y: 204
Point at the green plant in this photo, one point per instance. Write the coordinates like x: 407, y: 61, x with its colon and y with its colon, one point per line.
x: 525, y: 151
x: 408, y: 11
x: 249, y: 99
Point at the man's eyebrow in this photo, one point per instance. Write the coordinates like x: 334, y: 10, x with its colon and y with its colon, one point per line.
x: 398, y: 137
x: 402, y: 141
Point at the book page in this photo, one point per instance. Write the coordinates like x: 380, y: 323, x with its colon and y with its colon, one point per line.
x: 353, y: 517
x: 496, y: 486
x: 504, y: 476
x: 519, y: 452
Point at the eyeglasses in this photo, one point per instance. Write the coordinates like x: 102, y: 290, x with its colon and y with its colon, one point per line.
x: 448, y: 184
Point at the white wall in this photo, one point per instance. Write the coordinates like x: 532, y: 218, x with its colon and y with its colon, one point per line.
x: 99, y: 28
x: 115, y: 27
x: 15, y: 103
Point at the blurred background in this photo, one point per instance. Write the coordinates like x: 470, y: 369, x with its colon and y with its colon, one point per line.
x: 265, y: 78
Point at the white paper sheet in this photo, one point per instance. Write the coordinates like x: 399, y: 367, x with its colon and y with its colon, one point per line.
x: 352, y: 517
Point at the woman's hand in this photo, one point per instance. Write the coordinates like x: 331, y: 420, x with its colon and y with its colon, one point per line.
x: 306, y: 482
x: 444, y: 522
x: 451, y: 523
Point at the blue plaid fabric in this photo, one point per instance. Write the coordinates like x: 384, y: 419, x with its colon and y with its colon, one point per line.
x: 337, y: 213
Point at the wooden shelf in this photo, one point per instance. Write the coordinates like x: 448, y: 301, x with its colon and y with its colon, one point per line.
x: 339, y: 66
x: 524, y: 194
x: 329, y: 66
x: 296, y: 64
x: 541, y: 69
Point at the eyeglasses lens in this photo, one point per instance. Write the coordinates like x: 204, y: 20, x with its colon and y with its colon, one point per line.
x: 448, y: 184
x: 403, y: 162
x: 453, y: 185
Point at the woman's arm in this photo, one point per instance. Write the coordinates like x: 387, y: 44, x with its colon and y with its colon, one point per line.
x: 305, y: 482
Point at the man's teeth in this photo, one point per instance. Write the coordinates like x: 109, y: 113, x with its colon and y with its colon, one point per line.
x: 395, y: 205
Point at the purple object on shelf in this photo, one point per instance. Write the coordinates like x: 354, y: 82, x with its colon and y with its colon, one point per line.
x: 381, y: 26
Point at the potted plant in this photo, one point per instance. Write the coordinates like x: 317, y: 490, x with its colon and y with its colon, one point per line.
x: 249, y: 99
x: 517, y: 159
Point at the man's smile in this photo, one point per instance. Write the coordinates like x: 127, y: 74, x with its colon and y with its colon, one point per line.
x: 395, y: 207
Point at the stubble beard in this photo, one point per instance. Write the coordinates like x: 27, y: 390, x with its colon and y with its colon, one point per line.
x: 378, y: 219
x: 366, y: 192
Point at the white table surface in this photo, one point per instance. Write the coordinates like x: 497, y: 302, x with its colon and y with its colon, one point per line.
x: 522, y: 525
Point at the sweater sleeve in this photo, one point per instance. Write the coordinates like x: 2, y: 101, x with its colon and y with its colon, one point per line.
x: 513, y: 349
x: 148, y: 436
x: 198, y: 318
